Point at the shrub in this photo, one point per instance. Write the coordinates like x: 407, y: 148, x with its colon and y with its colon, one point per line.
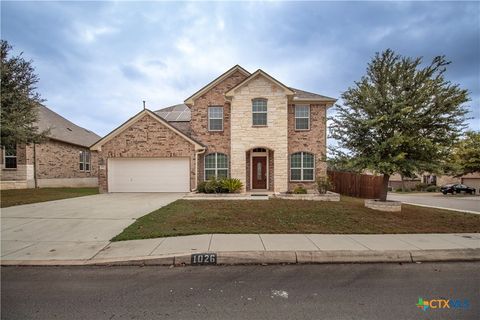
x: 214, y: 186
x: 432, y: 189
x: 421, y: 186
x: 201, y: 187
x: 323, y: 185
x: 232, y: 185
x: 299, y: 190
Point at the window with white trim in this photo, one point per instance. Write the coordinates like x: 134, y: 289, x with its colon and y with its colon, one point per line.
x: 259, y: 112
x: 302, y: 166
x: 10, y: 157
x: 215, y: 118
x: 216, y: 165
x: 302, y: 117
x: 84, y: 160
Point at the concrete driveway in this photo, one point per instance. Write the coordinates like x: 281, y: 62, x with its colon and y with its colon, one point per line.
x: 454, y: 202
x: 75, y: 228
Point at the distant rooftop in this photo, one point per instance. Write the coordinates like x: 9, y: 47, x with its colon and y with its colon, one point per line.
x: 179, y: 112
x: 64, y: 130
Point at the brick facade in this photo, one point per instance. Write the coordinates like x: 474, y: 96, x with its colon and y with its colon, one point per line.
x: 56, y: 164
x: 60, y: 160
x: 145, y: 138
x: 215, y: 141
x: 312, y: 141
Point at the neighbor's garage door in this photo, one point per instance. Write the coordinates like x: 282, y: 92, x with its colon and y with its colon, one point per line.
x: 472, y: 183
x: 148, y: 175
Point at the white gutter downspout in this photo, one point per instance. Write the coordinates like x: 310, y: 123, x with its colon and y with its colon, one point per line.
x: 198, y: 152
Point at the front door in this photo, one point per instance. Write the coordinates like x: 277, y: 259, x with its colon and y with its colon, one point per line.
x: 259, y: 172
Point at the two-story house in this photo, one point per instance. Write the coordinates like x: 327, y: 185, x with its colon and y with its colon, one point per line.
x: 242, y: 125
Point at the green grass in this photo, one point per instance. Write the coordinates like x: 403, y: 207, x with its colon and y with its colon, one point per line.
x: 25, y: 196
x: 185, y: 217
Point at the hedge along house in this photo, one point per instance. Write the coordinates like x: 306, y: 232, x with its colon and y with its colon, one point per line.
x: 240, y: 125
x: 63, y: 160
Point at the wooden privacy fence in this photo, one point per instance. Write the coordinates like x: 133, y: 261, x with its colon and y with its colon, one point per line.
x: 356, y: 185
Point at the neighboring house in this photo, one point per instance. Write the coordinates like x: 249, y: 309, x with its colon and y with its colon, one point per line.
x: 240, y: 125
x: 63, y: 160
x: 472, y: 180
x: 395, y: 181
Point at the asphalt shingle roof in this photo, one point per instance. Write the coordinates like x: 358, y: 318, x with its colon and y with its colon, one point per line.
x: 301, y: 94
x: 64, y: 130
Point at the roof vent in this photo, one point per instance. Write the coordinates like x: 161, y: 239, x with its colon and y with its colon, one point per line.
x: 69, y: 129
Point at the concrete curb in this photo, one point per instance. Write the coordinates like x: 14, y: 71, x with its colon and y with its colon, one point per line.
x: 273, y: 257
x: 442, y: 208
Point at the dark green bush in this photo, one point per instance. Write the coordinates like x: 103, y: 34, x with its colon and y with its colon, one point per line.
x: 201, y: 187
x: 421, y: 186
x: 299, y: 190
x: 215, y: 186
x: 432, y: 189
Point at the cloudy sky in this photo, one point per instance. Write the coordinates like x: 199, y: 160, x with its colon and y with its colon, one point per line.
x: 97, y: 61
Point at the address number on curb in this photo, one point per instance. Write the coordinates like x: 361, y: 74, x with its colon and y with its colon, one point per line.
x: 204, y: 258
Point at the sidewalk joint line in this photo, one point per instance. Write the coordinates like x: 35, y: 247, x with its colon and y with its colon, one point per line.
x: 18, y: 250
x: 261, y: 240
x: 405, y: 241
x: 363, y: 245
x: 99, y: 251
x: 158, y: 245
x: 306, y: 236
x: 210, y: 242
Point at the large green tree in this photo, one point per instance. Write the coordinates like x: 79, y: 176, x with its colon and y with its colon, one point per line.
x: 401, y: 117
x: 465, y: 157
x: 19, y: 99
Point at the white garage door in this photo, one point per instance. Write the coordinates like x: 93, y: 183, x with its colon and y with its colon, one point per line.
x: 149, y: 175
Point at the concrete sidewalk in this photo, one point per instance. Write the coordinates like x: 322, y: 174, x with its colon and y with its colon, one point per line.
x: 258, y: 248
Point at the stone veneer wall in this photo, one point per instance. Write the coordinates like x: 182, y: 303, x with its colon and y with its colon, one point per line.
x: 273, y: 136
x: 22, y: 176
x: 215, y: 141
x: 312, y: 140
x: 146, y: 138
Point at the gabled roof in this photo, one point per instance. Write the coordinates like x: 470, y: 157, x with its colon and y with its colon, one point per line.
x: 189, y: 100
x: 62, y: 129
x: 301, y: 95
x: 132, y: 120
x: 288, y: 91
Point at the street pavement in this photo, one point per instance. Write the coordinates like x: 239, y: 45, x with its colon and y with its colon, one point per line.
x: 454, y: 202
x: 75, y: 228
x: 341, y: 291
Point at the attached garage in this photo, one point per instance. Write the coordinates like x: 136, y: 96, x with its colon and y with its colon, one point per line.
x: 149, y: 175
x: 472, y: 183
x: 147, y: 154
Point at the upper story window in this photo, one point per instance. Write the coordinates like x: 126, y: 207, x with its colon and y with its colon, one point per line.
x: 302, y: 117
x: 302, y: 166
x: 84, y: 160
x: 259, y: 112
x: 10, y: 157
x: 216, y: 165
x: 215, y: 118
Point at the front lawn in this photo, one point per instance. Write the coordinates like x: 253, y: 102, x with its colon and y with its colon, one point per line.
x: 184, y: 217
x: 16, y: 197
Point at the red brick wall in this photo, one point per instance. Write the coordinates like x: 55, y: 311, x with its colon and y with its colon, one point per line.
x: 216, y: 141
x: 57, y: 159
x: 146, y: 138
x: 312, y: 141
